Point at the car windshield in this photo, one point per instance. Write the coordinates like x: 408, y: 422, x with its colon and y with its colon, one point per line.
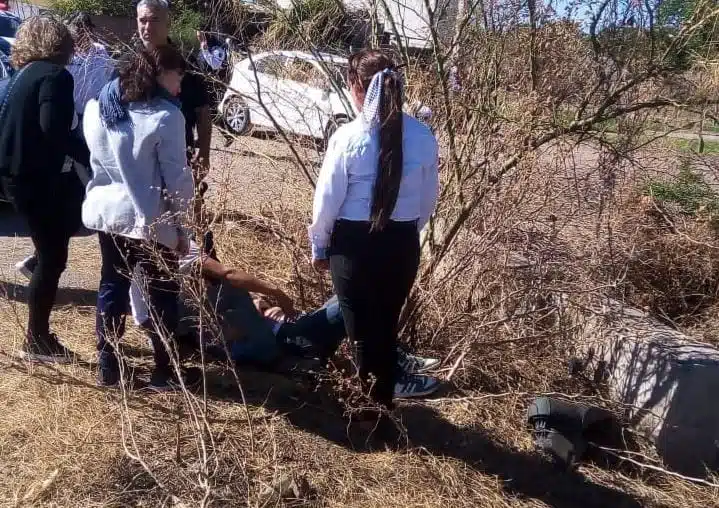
x: 8, y: 25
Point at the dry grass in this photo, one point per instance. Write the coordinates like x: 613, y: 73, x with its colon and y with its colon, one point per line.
x: 542, y: 207
x: 61, y: 438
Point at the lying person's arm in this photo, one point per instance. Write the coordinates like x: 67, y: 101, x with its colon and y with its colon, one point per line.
x: 214, y: 270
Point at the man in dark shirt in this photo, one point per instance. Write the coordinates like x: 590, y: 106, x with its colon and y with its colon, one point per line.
x: 153, y: 27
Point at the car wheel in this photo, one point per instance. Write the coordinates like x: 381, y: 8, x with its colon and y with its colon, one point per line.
x: 333, y: 125
x: 236, y: 115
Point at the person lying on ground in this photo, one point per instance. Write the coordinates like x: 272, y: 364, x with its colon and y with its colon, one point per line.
x: 321, y: 332
x: 228, y: 298
x: 259, y: 334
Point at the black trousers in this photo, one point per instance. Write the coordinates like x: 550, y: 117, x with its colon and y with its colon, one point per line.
x: 373, y: 273
x: 53, y: 215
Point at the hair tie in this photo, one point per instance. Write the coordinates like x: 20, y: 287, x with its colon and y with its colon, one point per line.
x: 373, y: 96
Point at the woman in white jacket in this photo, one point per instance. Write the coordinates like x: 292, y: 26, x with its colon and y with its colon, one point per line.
x: 140, y: 189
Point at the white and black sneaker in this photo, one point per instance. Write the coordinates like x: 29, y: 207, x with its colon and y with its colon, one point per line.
x: 412, y: 385
x: 412, y: 364
x: 47, y: 349
x: 27, y: 266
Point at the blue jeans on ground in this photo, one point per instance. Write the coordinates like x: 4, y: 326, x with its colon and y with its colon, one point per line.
x: 249, y: 336
x: 324, y: 328
x: 120, y: 255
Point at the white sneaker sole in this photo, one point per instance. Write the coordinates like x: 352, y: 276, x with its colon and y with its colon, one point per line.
x: 431, y: 364
x: 20, y: 267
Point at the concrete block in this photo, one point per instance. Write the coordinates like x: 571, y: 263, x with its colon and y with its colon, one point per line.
x: 669, y: 383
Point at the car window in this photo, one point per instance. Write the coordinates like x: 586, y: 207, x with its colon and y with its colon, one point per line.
x: 305, y: 72
x: 338, y: 73
x: 273, y: 65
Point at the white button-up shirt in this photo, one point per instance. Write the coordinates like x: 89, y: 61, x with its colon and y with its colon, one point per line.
x: 346, y: 180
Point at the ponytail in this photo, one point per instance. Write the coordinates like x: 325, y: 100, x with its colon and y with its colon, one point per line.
x: 389, y: 170
x: 377, y: 75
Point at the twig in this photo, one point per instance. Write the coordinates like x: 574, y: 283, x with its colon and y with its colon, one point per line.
x: 456, y: 364
x: 643, y: 465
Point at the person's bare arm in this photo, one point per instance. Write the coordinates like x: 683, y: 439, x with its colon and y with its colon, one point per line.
x: 240, y: 279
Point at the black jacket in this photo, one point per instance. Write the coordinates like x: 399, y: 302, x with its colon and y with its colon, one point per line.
x: 35, y: 135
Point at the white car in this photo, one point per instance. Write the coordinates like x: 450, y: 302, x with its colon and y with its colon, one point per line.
x: 300, y: 93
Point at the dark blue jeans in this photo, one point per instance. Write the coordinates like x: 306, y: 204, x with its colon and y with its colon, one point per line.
x: 248, y: 335
x: 324, y: 328
x: 120, y: 255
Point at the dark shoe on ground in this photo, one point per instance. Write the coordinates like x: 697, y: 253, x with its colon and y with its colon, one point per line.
x: 108, y: 373
x: 299, y: 346
x: 46, y: 349
x: 165, y: 379
x: 27, y: 266
x: 413, y: 385
x: 412, y: 364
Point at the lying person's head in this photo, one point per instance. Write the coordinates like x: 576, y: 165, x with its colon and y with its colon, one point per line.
x: 151, y: 71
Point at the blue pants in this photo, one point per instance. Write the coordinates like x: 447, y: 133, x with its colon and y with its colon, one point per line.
x: 324, y: 328
x: 249, y: 336
x: 120, y: 255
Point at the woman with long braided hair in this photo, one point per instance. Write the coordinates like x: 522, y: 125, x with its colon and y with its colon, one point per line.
x: 377, y: 188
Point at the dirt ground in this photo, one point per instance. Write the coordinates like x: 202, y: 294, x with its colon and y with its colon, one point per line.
x: 66, y: 443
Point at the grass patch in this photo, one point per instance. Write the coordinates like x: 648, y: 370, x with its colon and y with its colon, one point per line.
x: 692, y: 145
x: 689, y: 191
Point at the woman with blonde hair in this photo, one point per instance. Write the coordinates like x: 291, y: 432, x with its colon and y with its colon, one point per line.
x: 35, y: 136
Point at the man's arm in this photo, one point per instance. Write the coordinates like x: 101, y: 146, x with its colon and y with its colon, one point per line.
x: 216, y: 271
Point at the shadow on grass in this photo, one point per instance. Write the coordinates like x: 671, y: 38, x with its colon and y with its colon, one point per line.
x: 318, y: 412
x: 522, y: 474
x: 65, y: 296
